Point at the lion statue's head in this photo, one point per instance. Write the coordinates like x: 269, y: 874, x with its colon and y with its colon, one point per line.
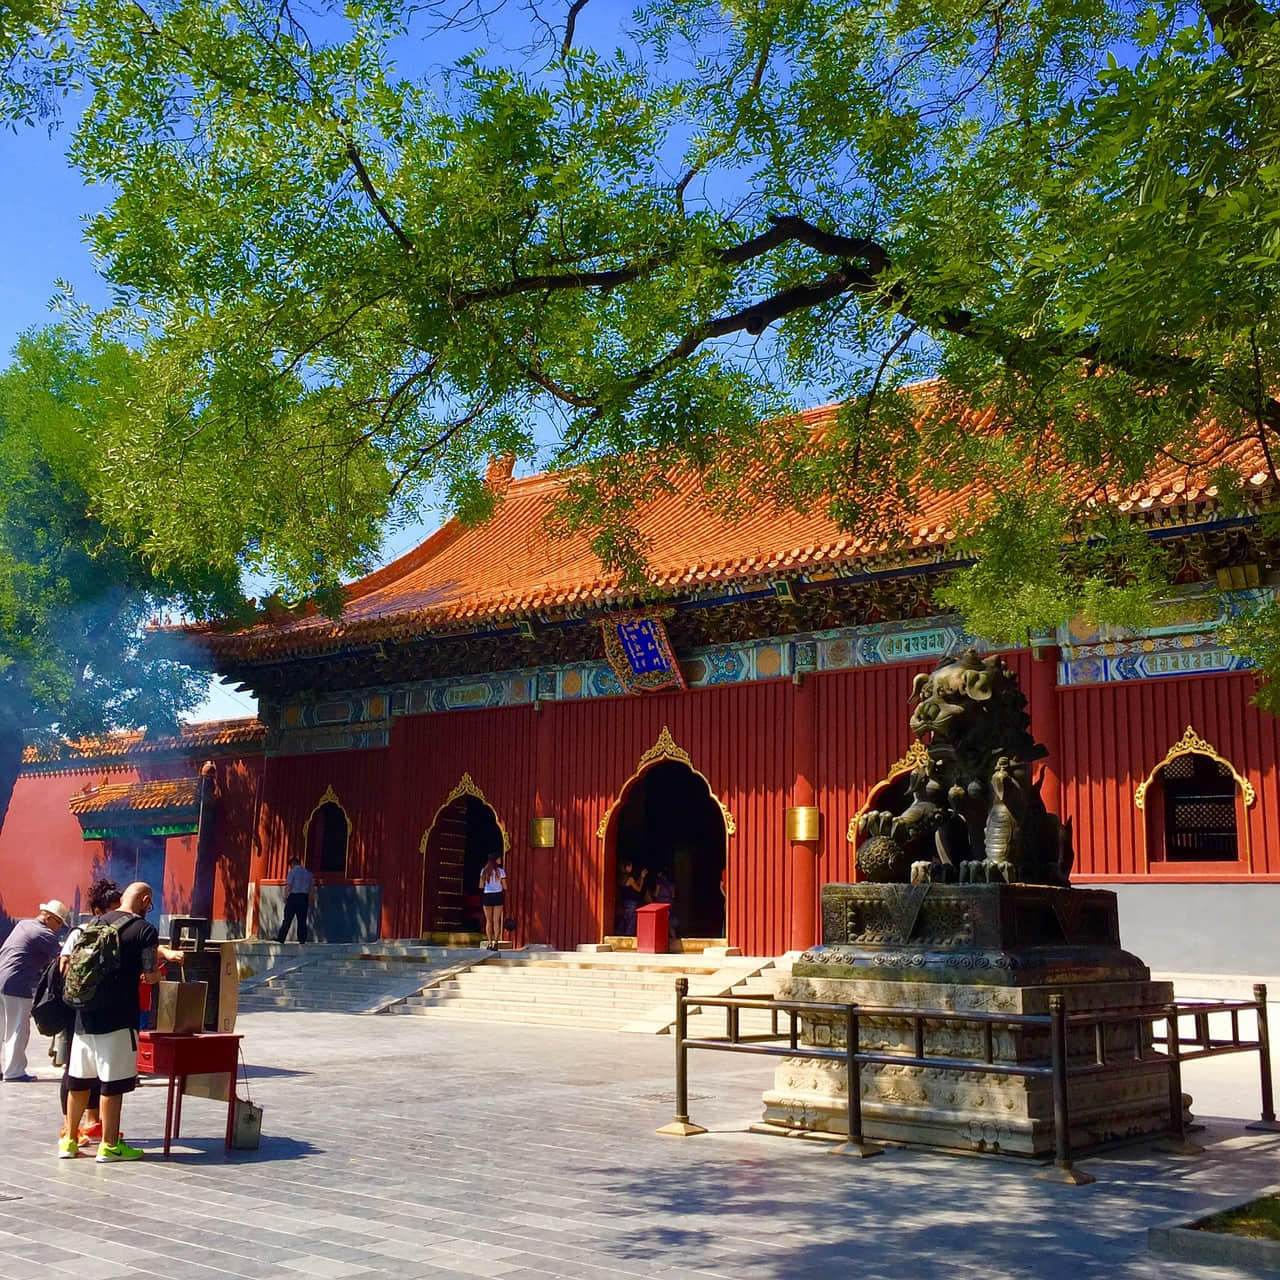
x: 972, y: 700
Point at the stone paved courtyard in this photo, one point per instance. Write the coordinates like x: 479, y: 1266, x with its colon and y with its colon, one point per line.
x: 405, y: 1148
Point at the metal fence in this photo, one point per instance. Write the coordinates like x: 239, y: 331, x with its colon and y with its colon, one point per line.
x: 1175, y: 1047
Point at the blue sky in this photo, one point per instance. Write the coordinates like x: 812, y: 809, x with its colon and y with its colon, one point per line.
x: 44, y: 204
x: 42, y: 210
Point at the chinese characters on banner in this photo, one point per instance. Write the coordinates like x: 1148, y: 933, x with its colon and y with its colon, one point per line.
x: 639, y: 651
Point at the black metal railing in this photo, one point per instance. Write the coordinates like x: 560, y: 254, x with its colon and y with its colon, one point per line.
x: 1146, y: 1047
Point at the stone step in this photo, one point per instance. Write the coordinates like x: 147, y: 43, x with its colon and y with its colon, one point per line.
x: 672, y: 966
x: 555, y: 988
x: 514, y: 1014
x: 480, y: 980
x: 318, y: 982
x: 621, y: 1006
x: 331, y: 993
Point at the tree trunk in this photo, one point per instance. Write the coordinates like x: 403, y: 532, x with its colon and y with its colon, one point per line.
x: 10, y: 764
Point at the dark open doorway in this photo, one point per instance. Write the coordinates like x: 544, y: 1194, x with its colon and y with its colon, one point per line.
x: 669, y: 821
x: 463, y: 836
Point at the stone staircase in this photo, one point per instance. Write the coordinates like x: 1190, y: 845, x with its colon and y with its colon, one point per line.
x: 341, y: 978
x: 608, y: 991
x: 710, y: 1023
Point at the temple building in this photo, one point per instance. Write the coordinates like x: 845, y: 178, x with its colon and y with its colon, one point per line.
x: 494, y: 690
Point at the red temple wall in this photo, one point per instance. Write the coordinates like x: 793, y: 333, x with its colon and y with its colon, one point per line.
x: 1114, y: 735
x: 573, y: 760
x: 581, y: 756
x: 43, y: 853
x: 239, y: 790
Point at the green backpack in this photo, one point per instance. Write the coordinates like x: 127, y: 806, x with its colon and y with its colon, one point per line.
x: 94, y: 961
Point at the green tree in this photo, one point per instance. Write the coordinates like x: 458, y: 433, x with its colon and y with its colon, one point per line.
x: 356, y: 275
x: 75, y: 599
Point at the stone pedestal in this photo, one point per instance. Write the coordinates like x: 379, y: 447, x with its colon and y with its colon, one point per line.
x: 983, y: 949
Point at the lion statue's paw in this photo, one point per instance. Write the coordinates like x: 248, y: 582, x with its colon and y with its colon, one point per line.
x: 878, y: 822
x: 988, y: 871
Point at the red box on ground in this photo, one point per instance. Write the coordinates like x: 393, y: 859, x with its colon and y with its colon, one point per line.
x: 652, y: 923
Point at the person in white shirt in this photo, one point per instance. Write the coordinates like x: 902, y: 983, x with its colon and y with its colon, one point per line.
x: 493, y: 884
x: 299, y: 884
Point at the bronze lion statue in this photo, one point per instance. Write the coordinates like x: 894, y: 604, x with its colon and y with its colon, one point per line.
x: 975, y: 813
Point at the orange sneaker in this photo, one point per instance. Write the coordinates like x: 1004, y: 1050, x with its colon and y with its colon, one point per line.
x: 91, y: 1132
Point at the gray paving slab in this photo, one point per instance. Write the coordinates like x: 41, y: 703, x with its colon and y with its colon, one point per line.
x: 411, y: 1148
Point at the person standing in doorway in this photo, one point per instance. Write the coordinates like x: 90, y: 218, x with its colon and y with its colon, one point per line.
x: 105, y: 1044
x: 299, y: 889
x: 630, y: 896
x: 493, y: 885
x: 26, y: 954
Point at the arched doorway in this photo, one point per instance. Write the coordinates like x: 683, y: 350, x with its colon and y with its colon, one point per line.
x: 668, y: 821
x: 463, y: 835
x: 327, y: 835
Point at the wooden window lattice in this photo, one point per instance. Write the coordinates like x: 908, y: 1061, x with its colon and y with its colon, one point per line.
x: 1200, y: 810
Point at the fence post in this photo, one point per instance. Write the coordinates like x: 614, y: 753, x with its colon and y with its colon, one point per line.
x: 680, y: 1127
x: 1177, y: 1142
x: 1268, y: 1121
x: 855, y: 1145
x: 1062, y: 1169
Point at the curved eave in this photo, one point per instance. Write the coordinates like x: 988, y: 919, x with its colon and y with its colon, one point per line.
x: 1170, y: 507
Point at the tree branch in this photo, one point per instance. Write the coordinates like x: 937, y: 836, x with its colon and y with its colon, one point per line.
x: 459, y: 424
x: 570, y: 21
x: 1238, y: 24
x: 375, y: 199
x: 757, y: 79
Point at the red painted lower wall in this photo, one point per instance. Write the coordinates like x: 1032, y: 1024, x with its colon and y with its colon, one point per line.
x: 43, y: 853
x: 572, y: 761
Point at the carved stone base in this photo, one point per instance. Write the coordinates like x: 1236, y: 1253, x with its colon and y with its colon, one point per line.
x: 962, y: 1110
x: 1003, y: 934
x: 983, y: 949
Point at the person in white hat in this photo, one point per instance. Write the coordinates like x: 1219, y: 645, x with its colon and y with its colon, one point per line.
x: 26, y: 954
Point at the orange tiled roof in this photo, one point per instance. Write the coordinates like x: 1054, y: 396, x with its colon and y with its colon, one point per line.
x: 204, y: 736
x: 168, y: 795
x: 512, y: 567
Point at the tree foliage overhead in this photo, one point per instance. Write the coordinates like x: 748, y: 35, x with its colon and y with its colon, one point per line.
x: 356, y: 275
x: 75, y: 599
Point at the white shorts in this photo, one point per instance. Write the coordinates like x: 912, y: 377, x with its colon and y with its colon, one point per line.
x: 110, y: 1057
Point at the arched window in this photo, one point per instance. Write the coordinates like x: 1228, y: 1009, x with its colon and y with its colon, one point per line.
x: 1199, y: 811
x: 327, y: 834
x: 331, y: 846
x: 1195, y: 803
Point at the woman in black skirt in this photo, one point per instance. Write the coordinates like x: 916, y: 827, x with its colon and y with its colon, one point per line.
x: 493, y: 885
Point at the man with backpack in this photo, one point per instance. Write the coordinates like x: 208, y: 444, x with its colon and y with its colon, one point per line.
x: 26, y: 954
x: 115, y: 952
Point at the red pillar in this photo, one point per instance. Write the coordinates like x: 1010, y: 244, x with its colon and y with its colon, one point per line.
x: 1046, y: 720
x: 258, y: 855
x: 540, y: 861
x: 804, y: 853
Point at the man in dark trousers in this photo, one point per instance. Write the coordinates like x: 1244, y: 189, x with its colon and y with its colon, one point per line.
x: 298, y: 885
x: 105, y: 1045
